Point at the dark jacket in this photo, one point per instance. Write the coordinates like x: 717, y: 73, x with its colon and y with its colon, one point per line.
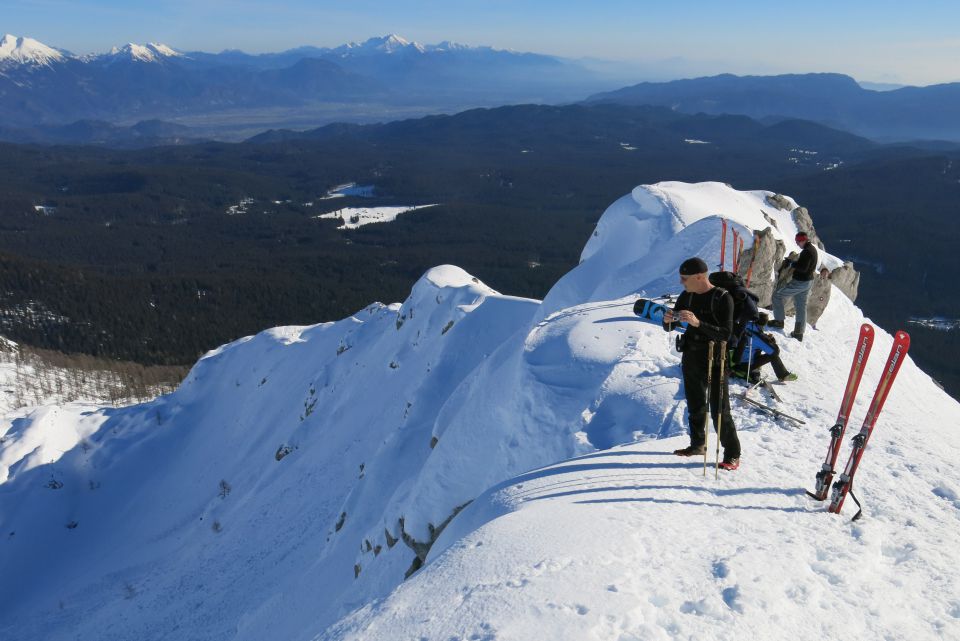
x: 806, y: 266
x: 714, y: 309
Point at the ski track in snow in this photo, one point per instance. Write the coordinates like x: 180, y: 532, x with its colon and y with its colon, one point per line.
x: 264, y: 498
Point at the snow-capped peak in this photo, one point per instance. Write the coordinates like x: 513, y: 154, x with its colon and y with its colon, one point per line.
x: 388, y: 44
x: 151, y: 52
x: 446, y: 45
x: 27, y: 51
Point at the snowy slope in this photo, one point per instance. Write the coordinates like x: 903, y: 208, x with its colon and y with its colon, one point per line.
x: 27, y: 51
x: 634, y: 543
x: 150, y: 52
x: 295, y: 478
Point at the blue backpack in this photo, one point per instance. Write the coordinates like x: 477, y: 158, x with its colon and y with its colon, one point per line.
x: 761, y: 341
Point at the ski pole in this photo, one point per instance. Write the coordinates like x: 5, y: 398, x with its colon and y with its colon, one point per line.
x: 723, y: 352
x: 706, y: 419
x: 750, y: 359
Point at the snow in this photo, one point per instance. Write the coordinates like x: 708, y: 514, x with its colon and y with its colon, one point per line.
x: 151, y: 52
x: 389, y: 44
x: 634, y: 543
x: 27, y: 51
x: 349, y: 189
x: 354, y: 217
x: 544, y: 427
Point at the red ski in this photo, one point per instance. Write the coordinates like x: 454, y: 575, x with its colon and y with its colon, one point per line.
x: 844, y: 486
x: 723, y: 244
x: 735, y: 257
x: 860, y: 355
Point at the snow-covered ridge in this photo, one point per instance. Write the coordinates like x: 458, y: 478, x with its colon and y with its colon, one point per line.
x: 511, y: 456
x: 389, y: 44
x: 27, y: 51
x: 151, y: 52
x: 393, y: 44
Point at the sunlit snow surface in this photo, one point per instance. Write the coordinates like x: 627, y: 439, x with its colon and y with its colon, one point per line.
x: 556, y: 419
x: 353, y: 217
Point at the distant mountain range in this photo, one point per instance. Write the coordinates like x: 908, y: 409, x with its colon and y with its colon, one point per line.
x: 833, y: 99
x: 233, y: 95
x: 43, y: 85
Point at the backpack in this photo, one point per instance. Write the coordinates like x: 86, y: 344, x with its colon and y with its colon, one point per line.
x: 733, y: 283
x: 762, y: 343
x: 727, y: 280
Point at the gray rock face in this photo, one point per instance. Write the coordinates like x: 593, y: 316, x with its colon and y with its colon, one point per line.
x: 769, y: 254
x: 778, y: 201
x: 766, y: 277
x: 847, y: 280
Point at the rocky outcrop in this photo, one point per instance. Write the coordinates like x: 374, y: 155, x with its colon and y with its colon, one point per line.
x: 779, y: 201
x: 422, y: 548
x: 847, y: 280
x: 770, y: 255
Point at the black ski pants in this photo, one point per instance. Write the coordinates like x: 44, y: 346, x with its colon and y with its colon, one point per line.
x: 693, y: 363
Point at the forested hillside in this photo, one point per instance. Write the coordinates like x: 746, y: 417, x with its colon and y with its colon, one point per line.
x: 158, y: 255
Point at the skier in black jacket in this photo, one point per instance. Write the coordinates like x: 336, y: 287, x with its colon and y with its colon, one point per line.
x: 708, y: 313
x: 798, y: 288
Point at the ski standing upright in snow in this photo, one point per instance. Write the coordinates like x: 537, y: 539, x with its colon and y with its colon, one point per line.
x: 844, y: 486
x: 860, y: 355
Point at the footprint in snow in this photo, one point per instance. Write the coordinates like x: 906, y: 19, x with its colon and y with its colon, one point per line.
x: 731, y: 596
x: 720, y: 569
x: 948, y: 494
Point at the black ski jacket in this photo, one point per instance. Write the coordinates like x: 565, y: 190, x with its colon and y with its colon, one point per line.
x: 714, y: 309
x: 806, y: 266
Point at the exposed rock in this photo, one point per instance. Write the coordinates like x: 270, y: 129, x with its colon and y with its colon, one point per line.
x: 770, y: 220
x: 766, y: 276
x: 416, y: 565
x: 769, y: 254
x: 801, y: 218
x: 391, y: 541
x: 422, y: 548
x: 847, y: 280
x: 779, y: 201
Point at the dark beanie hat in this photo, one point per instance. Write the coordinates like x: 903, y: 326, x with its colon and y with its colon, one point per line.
x: 692, y: 266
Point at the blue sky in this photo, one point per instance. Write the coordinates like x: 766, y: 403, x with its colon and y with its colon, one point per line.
x: 878, y: 41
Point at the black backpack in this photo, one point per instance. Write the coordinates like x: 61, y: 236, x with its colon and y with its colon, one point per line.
x: 734, y: 284
x: 729, y: 281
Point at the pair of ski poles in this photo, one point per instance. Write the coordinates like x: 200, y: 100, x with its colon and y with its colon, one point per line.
x: 719, y: 418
